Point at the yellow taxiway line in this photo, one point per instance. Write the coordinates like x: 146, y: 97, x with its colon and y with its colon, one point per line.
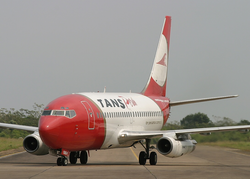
x: 134, y: 153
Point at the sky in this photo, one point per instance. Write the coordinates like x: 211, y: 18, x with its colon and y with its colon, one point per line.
x: 53, y: 48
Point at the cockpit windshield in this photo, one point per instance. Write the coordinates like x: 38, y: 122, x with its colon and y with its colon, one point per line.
x: 67, y: 113
x: 46, y: 113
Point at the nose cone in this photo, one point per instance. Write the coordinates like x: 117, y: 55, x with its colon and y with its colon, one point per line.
x: 49, y: 131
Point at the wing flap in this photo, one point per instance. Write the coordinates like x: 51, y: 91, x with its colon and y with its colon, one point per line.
x: 137, y: 135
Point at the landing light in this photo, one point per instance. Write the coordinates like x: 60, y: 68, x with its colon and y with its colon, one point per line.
x: 123, y: 135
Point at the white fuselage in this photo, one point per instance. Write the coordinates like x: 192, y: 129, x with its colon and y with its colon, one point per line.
x: 126, y: 111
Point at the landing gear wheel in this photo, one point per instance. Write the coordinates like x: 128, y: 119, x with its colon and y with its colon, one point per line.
x: 73, y: 157
x: 83, y: 157
x: 59, y: 161
x: 142, y: 158
x: 153, y: 158
x: 64, y: 161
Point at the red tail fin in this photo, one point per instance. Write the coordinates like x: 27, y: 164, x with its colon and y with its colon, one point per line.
x: 157, y: 82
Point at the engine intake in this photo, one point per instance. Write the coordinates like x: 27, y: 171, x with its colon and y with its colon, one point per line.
x: 170, y: 147
x: 34, y: 145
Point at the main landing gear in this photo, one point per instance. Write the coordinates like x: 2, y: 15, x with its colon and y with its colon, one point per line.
x: 144, y: 155
x: 83, y: 155
x: 75, y: 155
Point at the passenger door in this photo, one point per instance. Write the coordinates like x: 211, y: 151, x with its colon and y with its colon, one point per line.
x: 91, y: 115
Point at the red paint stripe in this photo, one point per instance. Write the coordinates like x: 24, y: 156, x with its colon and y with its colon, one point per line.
x: 166, y: 29
x: 154, y: 89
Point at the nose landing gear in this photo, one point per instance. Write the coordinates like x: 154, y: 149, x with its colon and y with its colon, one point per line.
x: 62, y: 161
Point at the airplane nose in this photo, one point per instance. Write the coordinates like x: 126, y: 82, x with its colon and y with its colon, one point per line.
x: 49, y: 131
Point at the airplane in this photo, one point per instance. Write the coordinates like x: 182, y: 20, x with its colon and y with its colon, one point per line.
x: 72, y: 125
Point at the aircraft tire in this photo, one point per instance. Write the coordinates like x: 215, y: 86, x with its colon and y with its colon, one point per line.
x: 59, y: 161
x: 142, y: 158
x: 83, y: 157
x: 73, y: 157
x: 64, y: 161
x: 153, y: 158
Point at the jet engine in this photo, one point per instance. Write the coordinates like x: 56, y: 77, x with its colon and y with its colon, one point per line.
x: 169, y: 147
x: 34, y: 145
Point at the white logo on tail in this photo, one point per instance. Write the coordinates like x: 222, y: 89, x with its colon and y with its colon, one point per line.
x: 159, y: 72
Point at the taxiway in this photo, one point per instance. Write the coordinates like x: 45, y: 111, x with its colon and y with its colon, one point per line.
x: 204, y: 162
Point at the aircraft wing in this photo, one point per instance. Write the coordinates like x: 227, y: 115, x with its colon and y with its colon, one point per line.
x: 139, y: 135
x: 175, y: 103
x: 20, y: 127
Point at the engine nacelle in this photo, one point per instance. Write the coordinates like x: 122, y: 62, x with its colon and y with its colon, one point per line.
x: 34, y: 145
x: 170, y: 147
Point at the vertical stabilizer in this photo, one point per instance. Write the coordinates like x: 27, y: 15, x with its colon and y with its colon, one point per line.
x: 157, y: 82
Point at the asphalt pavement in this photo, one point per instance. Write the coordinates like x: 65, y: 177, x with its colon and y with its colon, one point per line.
x: 204, y: 162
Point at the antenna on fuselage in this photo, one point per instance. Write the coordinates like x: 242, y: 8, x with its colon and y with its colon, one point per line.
x: 104, y: 91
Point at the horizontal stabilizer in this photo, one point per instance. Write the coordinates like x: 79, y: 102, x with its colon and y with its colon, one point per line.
x: 176, y: 103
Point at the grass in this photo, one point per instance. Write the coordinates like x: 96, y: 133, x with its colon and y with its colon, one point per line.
x: 230, y: 144
x: 7, y: 143
x: 11, y: 143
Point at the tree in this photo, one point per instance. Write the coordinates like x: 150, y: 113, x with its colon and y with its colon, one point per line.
x: 244, y: 122
x: 21, y: 117
x: 196, y: 120
x: 172, y: 125
x: 225, y: 121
